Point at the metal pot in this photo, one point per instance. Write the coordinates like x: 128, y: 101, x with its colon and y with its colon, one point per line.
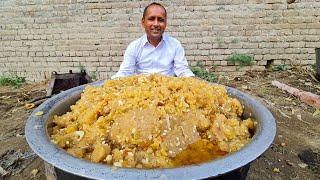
x: 38, y: 139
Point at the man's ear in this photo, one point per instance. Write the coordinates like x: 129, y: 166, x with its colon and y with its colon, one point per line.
x: 142, y: 22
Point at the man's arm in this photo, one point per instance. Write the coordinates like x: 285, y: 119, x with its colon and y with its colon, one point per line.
x: 181, y: 68
x: 128, y: 65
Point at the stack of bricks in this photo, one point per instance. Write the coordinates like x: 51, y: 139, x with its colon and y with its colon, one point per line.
x: 41, y: 36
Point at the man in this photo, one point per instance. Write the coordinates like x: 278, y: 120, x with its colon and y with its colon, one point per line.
x: 155, y: 51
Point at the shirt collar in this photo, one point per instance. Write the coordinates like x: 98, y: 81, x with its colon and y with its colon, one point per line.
x: 145, y: 39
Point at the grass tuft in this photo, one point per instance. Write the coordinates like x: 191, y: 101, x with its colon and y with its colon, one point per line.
x: 281, y: 67
x: 14, y: 81
x: 243, y: 59
x: 201, y: 72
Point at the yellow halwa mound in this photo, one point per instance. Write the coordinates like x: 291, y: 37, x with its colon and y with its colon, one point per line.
x: 152, y: 121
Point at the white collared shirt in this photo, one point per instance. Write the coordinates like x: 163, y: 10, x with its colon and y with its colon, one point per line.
x: 168, y: 58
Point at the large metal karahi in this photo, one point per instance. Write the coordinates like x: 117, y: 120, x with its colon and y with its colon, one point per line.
x: 38, y: 139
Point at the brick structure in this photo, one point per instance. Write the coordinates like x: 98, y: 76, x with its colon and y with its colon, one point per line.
x: 41, y: 36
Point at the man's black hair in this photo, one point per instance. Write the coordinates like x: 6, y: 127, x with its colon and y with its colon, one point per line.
x: 153, y: 4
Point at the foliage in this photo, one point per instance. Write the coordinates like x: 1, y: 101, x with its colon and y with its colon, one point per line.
x: 200, y: 64
x: 94, y: 76
x: 314, y: 67
x: 214, y: 66
x: 14, y: 81
x: 243, y: 59
x: 281, y: 67
x: 81, y: 67
x: 200, y: 72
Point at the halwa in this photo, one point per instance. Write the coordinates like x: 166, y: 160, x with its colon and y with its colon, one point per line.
x: 153, y: 121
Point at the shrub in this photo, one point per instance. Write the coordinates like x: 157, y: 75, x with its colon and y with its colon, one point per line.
x: 81, y: 67
x: 94, y: 76
x: 281, y: 67
x: 243, y: 59
x: 199, y: 71
x: 14, y: 81
x: 314, y: 67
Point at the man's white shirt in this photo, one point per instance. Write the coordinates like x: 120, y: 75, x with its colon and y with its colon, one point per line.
x: 168, y: 58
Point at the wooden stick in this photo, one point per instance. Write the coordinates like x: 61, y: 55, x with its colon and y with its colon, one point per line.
x: 304, y: 96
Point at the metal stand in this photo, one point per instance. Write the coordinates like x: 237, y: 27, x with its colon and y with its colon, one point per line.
x: 61, y: 82
x: 53, y: 173
x: 238, y: 174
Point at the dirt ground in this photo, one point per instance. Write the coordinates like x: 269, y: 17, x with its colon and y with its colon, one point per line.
x: 294, y: 154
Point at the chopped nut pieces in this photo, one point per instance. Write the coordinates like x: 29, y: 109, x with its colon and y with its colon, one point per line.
x: 80, y: 134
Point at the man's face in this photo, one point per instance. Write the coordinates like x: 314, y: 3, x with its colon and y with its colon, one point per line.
x: 154, y: 22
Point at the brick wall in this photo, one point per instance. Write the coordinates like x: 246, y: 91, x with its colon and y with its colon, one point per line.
x: 41, y: 36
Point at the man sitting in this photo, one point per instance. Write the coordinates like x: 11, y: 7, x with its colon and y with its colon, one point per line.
x: 155, y: 51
